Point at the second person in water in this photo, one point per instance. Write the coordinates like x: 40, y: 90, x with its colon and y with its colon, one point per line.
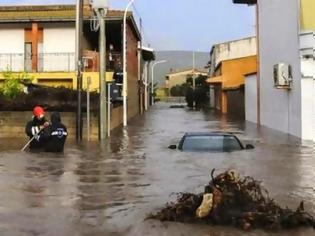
x: 45, y: 136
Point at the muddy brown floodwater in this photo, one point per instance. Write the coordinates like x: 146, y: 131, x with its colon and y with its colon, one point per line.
x: 110, y: 188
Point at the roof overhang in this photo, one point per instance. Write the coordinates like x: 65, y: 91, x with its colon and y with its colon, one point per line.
x: 249, y: 2
x: 147, y: 53
x: 59, y: 13
x: 214, y: 80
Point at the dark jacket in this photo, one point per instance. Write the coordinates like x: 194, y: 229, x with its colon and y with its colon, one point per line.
x: 57, y: 134
x: 32, y: 128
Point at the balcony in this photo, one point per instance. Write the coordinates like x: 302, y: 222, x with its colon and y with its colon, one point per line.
x: 46, y: 62
x: 56, y: 62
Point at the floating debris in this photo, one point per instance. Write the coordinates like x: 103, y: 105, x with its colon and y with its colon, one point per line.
x: 231, y: 200
x: 177, y: 106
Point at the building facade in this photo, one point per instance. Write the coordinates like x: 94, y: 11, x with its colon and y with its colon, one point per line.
x: 289, y: 41
x: 180, y: 77
x: 41, y: 41
x: 231, y: 50
x: 241, y: 48
x: 227, y: 84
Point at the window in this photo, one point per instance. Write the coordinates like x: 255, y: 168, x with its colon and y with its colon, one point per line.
x: 28, y: 57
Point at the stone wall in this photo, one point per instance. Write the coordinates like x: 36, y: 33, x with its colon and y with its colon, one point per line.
x: 12, y: 124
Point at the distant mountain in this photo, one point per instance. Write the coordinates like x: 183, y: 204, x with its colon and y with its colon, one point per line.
x: 177, y: 61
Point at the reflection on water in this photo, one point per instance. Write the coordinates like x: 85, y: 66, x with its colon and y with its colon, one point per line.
x: 109, y: 188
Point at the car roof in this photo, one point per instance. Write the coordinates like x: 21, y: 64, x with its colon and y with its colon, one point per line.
x: 209, y: 133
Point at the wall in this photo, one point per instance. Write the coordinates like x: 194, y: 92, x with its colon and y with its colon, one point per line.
x: 307, y: 15
x: 251, y: 98
x: 12, y: 124
x: 307, y: 45
x: 12, y: 41
x: 233, y: 71
x: 279, y: 42
x: 308, y: 98
x: 59, y: 40
x: 67, y: 79
x: 178, y: 79
x: 233, y: 49
x: 162, y: 92
x: 132, y: 70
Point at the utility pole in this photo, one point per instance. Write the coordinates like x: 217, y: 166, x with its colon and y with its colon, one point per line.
x: 78, y: 66
x: 152, y: 79
x: 146, y: 76
x: 193, y: 78
x: 140, y: 69
x: 102, y: 74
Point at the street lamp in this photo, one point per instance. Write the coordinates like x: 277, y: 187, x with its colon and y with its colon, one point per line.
x: 152, y: 77
x: 125, y: 81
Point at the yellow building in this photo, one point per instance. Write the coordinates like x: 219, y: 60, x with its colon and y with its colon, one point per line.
x: 228, y: 83
x: 307, y: 16
x: 162, y: 92
x: 180, y: 77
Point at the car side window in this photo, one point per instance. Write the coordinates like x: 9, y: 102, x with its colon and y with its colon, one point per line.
x: 230, y: 144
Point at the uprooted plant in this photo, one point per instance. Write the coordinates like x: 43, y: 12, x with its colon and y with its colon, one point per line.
x: 231, y: 200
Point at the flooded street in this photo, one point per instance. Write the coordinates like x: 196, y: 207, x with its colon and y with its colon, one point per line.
x: 110, y: 188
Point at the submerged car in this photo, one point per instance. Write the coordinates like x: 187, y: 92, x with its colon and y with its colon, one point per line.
x: 210, y: 142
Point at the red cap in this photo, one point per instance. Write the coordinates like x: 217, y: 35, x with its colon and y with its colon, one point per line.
x: 38, y: 112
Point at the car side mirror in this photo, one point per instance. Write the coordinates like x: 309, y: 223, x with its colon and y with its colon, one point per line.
x: 249, y: 146
x: 172, y: 147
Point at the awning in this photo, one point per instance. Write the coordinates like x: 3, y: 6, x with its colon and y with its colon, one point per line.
x: 214, y: 80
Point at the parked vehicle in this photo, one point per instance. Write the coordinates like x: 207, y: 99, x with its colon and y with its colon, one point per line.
x: 210, y: 142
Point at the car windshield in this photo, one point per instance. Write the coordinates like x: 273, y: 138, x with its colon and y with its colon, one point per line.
x: 216, y: 143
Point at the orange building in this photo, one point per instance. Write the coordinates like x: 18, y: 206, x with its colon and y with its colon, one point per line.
x: 228, y: 84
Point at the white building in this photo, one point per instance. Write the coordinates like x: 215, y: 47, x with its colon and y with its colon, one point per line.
x: 288, y: 39
x: 231, y: 50
x: 226, y: 51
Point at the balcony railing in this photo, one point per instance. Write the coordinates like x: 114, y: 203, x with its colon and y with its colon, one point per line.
x: 46, y: 62
x: 12, y: 61
x: 54, y: 62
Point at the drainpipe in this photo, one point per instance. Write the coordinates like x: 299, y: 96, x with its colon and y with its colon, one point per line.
x: 125, y: 80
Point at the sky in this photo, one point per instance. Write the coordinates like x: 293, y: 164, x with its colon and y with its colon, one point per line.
x: 190, y: 25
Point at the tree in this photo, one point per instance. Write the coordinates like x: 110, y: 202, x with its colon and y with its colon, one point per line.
x: 199, y: 95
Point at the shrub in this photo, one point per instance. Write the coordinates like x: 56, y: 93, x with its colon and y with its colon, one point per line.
x: 13, y: 86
